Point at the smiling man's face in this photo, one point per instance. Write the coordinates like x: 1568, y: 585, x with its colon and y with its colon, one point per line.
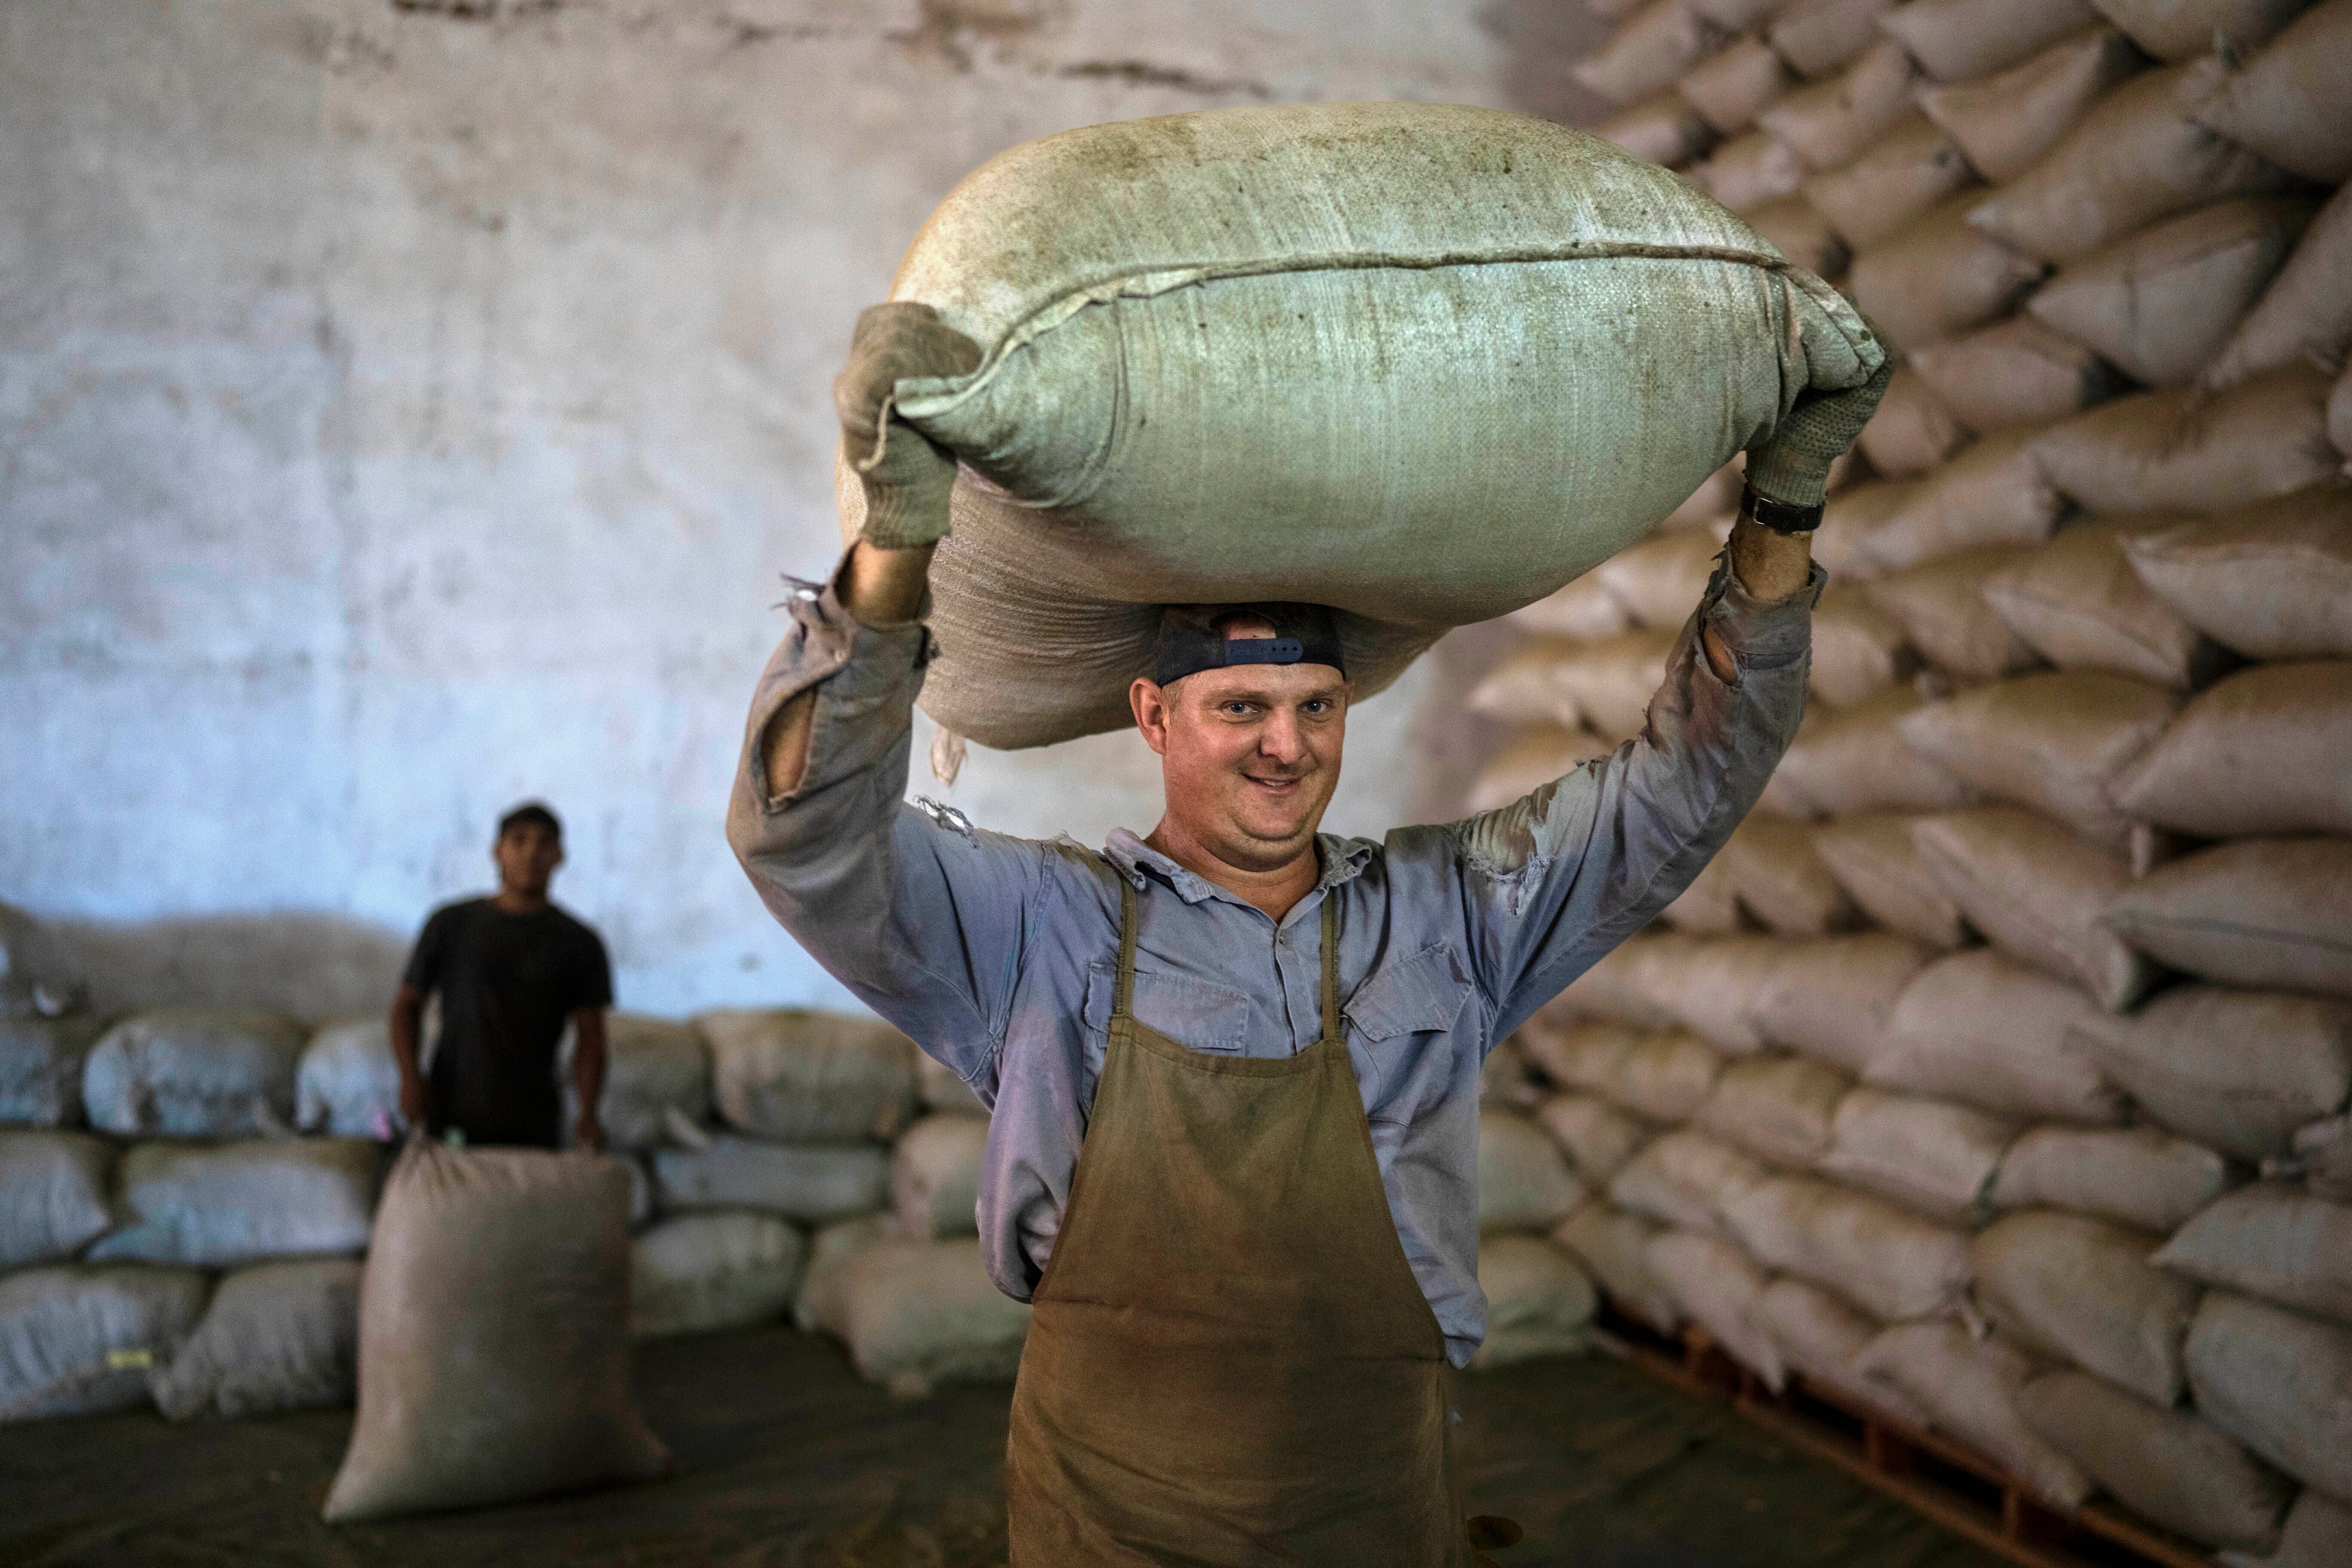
x: 1249, y: 755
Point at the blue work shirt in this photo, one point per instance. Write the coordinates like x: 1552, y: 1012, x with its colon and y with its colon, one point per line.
x: 997, y: 954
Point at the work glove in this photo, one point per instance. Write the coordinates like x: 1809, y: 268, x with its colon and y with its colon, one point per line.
x: 906, y: 476
x: 1792, y: 466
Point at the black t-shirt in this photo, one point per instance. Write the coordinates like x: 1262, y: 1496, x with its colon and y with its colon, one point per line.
x: 507, y: 984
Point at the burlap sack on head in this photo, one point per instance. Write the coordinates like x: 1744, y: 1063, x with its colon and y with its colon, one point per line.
x: 1832, y: 120
x: 193, y: 1072
x: 2184, y: 29
x: 2053, y: 743
x: 1935, y: 277
x: 1611, y: 1244
x: 1523, y: 1183
x: 1164, y: 414
x: 807, y: 1076
x: 494, y: 1322
x: 2269, y: 749
x: 1719, y: 1288
x: 278, y: 1336
x: 1940, y: 604
x: 1962, y: 40
x: 2273, y: 1240
x: 1969, y: 1388
x: 2019, y: 374
x: 2038, y: 893
x: 1748, y: 171
x: 1539, y: 1302
x: 1823, y: 1338
x: 2271, y: 913
x: 695, y: 1272
x: 1874, y: 859
x: 2293, y: 101
x: 40, y: 1070
x: 1740, y: 79
x: 2134, y: 157
x: 1911, y: 431
x: 2272, y: 581
x: 2160, y: 304
x: 2005, y: 122
x: 1778, y: 1108
x: 2190, y: 451
x: 2183, y: 1473
x: 1833, y: 997
x: 1929, y: 1155
x: 2278, y: 1382
x: 2140, y: 1176
x: 1905, y: 171
x: 1888, y: 1262
x: 1981, y: 1029
x: 2077, y: 602
x: 56, y: 1184
x: 2238, y: 1069
x: 1663, y: 128
x: 2081, y: 1290
x: 1653, y: 45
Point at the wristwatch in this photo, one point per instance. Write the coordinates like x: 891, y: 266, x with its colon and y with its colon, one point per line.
x: 1780, y: 516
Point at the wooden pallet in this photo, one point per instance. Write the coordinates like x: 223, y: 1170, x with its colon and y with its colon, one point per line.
x: 1946, y: 1481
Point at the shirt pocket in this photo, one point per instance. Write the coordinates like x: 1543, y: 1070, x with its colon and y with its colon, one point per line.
x: 1196, y: 1013
x: 1399, y: 1016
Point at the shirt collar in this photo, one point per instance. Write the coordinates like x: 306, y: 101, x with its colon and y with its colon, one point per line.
x: 1343, y: 860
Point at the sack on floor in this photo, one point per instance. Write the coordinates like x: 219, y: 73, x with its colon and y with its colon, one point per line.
x: 2272, y: 581
x: 2140, y: 1176
x: 1906, y: 172
x: 1538, y: 755
x: 2005, y: 122
x: 215, y: 1206
x: 2159, y: 305
x: 467, y: 1393
x: 2081, y: 1290
x: 656, y: 1072
x: 1781, y: 882
x: 805, y: 1076
x: 1969, y: 1389
x: 941, y: 1089
x: 1708, y: 907
x: 1859, y: 650
x: 2077, y: 603
x: 915, y: 1314
x: 1660, y: 580
x: 2263, y: 752
x: 2134, y: 157
x: 1983, y: 1030
x: 2165, y: 1465
x: 1597, y: 1137
x: 2017, y: 375
x: 1831, y: 998
x: 1616, y: 988
x: 1613, y: 1246
x: 2264, y: 913
x: 814, y: 1185
x: 1778, y: 1108
x: 1935, y: 277
x: 1858, y: 761
x: 819, y: 1298
x: 2273, y: 1240
x: 1193, y: 265
x: 1830, y: 120
x: 2040, y: 894
x: 1666, y: 1077
x: 347, y: 1083
x: 1875, y: 860
x: 1818, y: 37
x: 1961, y: 40
x: 1712, y: 988
x: 1578, y: 1053
x: 1685, y: 1179
x: 1729, y: 87
x: 1944, y: 612
x: 1663, y: 128
x: 2305, y: 314
x: 2293, y: 101
x: 1994, y: 493
x: 1523, y: 1183
x: 1606, y: 686
x: 40, y: 1070
x: 1653, y: 45
x: 1911, y: 431
x: 2280, y: 1382
x: 1719, y: 1288
x: 1506, y: 1082
x: 1931, y: 1156
x: 1539, y: 1302
x: 2318, y: 1534
x: 1887, y: 1261
x: 2185, y: 449
x: 695, y: 1272
x: 77, y: 1340
x: 1748, y: 171
x: 2238, y: 1069
x: 2053, y: 743
x: 935, y: 1176
x: 1851, y: 516
x: 193, y: 1072
x: 1823, y: 1338
x: 2184, y: 29
x: 56, y: 1185
x: 278, y: 1336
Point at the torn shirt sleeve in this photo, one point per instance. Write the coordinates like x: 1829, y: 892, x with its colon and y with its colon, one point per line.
x: 917, y: 912
x: 1559, y: 878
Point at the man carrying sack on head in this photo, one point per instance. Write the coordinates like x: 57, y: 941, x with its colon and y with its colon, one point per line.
x: 1234, y: 1065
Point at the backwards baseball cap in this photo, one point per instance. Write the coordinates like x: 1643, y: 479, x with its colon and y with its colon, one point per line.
x: 1192, y: 638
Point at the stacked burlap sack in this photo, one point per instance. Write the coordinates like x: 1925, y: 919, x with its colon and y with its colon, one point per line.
x: 1996, y: 1073
x: 187, y: 1197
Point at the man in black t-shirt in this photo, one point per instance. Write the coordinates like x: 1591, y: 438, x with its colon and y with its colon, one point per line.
x: 512, y: 970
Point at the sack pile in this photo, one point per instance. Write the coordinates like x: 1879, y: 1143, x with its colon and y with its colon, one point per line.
x: 2013, y: 1037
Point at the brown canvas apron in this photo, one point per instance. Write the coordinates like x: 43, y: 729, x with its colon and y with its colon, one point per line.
x: 1230, y: 1361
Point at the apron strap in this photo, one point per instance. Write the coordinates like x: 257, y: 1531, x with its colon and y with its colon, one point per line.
x: 1124, y: 995
x: 1331, y: 1030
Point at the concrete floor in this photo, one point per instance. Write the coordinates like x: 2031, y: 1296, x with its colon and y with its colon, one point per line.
x: 785, y: 1460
